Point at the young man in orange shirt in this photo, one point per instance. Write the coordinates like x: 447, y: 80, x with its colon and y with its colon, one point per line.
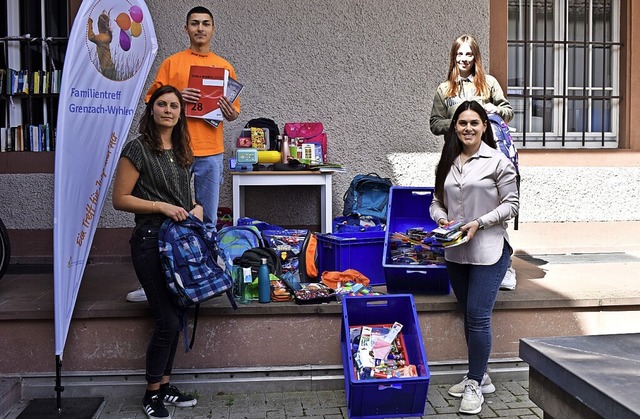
x: 207, y: 142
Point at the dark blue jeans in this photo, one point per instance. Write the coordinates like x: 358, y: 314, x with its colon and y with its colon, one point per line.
x: 146, y: 261
x: 476, y: 288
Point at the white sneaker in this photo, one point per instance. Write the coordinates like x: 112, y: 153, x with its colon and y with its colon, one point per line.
x: 137, y: 296
x: 457, y: 390
x: 509, y: 280
x: 472, y: 398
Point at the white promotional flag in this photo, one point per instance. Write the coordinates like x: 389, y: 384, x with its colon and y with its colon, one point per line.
x: 111, y: 49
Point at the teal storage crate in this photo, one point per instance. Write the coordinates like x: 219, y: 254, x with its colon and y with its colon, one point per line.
x: 361, y: 251
x: 390, y: 397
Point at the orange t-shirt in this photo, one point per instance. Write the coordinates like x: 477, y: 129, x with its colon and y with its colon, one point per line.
x: 205, y: 139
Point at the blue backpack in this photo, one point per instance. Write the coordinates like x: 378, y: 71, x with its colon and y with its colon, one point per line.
x: 502, y: 134
x: 189, y: 255
x: 367, y: 195
x: 233, y: 241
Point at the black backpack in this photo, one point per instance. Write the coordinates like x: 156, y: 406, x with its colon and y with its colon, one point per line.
x: 274, y: 131
x: 252, y: 258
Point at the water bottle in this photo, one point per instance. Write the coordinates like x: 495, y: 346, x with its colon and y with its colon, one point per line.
x: 264, y: 285
x: 245, y: 285
x: 284, y: 150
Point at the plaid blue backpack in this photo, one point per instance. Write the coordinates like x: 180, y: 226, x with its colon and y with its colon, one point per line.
x: 189, y: 255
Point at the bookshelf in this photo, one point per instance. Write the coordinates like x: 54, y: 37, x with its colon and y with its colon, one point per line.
x: 33, y: 42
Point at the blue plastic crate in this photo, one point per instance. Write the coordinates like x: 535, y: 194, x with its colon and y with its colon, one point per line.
x: 409, y: 208
x: 391, y: 397
x: 359, y: 251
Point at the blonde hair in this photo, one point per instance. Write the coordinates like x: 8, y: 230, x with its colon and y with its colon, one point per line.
x: 479, y: 77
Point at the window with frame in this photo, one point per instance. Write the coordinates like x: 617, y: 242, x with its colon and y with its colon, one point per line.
x: 563, y: 72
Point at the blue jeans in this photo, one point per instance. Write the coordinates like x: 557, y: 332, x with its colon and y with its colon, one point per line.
x: 476, y: 288
x: 161, y: 349
x: 207, y: 173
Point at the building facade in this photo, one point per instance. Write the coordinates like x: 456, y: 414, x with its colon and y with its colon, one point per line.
x: 368, y: 70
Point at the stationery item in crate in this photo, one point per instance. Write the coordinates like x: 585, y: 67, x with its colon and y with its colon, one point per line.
x: 424, y: 274
x: 357, y: 223
x: 314, y: 294
x: 411, y: 248
x: 402, y: 396
x: 379, y: 352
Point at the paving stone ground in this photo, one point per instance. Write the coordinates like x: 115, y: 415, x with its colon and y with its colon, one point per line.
x: 510, y: 401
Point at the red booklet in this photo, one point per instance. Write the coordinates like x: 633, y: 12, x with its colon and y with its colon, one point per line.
x: 212, y: 82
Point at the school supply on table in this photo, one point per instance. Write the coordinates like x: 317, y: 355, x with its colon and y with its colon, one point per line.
x: 268, y: 127
x: 307, y: 133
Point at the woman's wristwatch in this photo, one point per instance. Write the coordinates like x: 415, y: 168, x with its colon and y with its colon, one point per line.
x: 480, y: 224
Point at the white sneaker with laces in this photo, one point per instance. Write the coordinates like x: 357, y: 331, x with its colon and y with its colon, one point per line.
x: 509, y: 280
x: 472, y: 398
x: 137, y: 296
x: 457, y: 390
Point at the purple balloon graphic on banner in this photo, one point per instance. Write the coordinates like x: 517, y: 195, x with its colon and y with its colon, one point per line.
x: 136, y: 14
x: 125, y: 41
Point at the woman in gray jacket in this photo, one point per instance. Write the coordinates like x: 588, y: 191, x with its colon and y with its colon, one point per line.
x: 466, y: 80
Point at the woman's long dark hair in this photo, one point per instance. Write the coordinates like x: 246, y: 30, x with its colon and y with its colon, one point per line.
x: 179, y: 136
x: 453, y: 147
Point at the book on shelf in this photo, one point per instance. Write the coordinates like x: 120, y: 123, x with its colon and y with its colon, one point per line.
x: 212, y: 83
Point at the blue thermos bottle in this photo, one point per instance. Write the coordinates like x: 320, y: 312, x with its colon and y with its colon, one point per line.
x: 264, y: 286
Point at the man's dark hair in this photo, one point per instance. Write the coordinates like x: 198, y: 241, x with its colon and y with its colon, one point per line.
x: 199, y: 9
